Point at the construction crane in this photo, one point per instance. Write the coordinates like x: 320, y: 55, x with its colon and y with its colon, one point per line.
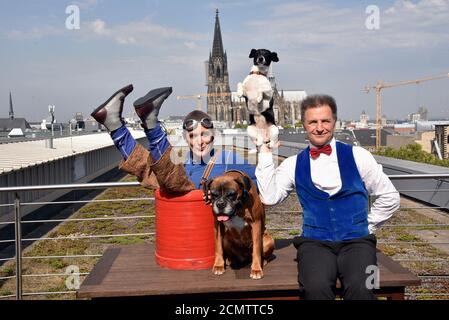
x: 201, y: 95
x: 381, y: 85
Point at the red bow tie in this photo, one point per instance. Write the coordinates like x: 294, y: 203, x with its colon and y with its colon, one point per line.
x: 315, y: 152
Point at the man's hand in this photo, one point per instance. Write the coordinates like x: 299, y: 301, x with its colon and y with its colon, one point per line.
x: 266, y: 147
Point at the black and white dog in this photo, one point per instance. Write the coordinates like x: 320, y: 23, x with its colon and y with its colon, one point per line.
x: 258, y: 93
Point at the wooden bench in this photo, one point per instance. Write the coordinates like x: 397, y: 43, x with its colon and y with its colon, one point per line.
x: 131, y: 271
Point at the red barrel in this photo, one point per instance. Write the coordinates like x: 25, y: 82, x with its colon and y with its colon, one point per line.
x: 184, y: 231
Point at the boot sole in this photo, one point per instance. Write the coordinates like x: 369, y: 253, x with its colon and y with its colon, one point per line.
x: 151, y: 96
x: 125, y: 90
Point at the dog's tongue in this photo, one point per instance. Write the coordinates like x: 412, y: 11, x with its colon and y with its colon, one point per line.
x: 222, y: 218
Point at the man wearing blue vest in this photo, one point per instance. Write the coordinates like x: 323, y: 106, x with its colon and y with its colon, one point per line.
x: 159, y: 166
x: 333, y: 181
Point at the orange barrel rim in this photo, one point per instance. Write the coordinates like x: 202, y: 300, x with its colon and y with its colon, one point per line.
x: 184, y: 231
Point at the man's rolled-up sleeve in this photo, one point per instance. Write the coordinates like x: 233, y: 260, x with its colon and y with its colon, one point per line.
x: 275, y: 184
x: 378, y: 185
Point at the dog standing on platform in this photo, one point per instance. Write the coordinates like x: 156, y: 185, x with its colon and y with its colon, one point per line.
x: 240, y: 235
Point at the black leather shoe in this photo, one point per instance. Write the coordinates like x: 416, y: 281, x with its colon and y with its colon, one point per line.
x: 109, y: 113
x: 147, y: 107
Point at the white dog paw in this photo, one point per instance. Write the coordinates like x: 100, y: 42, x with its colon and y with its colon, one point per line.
x: 256, y: 274
x: 218, y: 270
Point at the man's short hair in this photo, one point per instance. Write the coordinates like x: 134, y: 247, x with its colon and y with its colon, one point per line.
x: 318, y: 100
x: 196, y: 115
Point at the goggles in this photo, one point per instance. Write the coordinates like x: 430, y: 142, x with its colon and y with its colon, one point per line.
x: 191, y: 124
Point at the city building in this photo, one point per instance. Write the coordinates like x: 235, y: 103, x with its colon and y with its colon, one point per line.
x: 383, y: 121
x: 363, y: 120
x: 421, y: 115
x: 367, y: 137
x: 8, y: 124
x: 426, y: 140
x: 287, y: 106
x: 219, y: 93
x: 404, y: 128
x: 414, y: 117
x: 429, y: 125
x: 398, y: 141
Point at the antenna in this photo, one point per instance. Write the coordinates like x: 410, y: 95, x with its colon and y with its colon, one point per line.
x: 11, y: 110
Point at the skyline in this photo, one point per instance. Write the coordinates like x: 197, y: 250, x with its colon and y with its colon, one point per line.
x: 323, y: 47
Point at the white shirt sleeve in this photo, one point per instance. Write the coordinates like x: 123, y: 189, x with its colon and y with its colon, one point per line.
x: 378, y: 185
x: 275, y: 184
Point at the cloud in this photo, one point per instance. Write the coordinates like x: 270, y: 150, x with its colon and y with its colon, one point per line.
x: 34, y: 33
x: 234, y: 4
x: 99, y: 27
x: 86, y: 4
x: 416, y: 24
x: 424, y: 13
x: 142, y: 33
x: 190, y: 44
x: 311, y: 26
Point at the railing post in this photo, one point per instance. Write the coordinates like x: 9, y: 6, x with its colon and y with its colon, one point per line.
x: 18, y: 239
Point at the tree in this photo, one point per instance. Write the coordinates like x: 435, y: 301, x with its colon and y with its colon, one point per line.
x: 240, y: 126
x: 413, y: 152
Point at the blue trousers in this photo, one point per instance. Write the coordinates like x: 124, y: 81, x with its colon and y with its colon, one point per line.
x: 125, y: 143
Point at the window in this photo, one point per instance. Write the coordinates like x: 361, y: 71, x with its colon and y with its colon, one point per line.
x: 218, y: 72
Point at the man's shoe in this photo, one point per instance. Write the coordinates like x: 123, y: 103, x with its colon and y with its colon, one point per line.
x: 109, y: 113
x: 147, y: 107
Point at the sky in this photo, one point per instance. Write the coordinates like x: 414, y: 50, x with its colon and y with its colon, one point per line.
x: 332, y: 47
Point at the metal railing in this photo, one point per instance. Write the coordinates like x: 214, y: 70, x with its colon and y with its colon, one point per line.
x: 18, y: 222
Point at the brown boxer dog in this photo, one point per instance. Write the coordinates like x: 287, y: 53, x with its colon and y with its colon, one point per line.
x: 240, y: 235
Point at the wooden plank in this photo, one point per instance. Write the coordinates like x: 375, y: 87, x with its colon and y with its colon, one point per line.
x: 97, y: 275
x: 132, y: 271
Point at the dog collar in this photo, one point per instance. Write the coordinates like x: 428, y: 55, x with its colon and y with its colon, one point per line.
x: 258, y: 72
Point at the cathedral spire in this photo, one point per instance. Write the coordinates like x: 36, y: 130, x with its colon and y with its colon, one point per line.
x: 217, y: 48
x: 219, y: 102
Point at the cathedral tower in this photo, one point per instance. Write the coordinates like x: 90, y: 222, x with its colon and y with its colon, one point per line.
x: 219, y: 98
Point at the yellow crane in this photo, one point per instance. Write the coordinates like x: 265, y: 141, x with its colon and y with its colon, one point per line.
x: 382, y: 85
x: 199, y: 96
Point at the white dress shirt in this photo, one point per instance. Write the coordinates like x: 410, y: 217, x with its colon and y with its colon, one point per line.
x: 276, y: 184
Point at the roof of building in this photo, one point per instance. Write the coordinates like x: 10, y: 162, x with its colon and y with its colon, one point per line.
x: 16, y: 132
x: 20, y: 155
x: 289, y: 95
x: 293, y: 95
x: 404, y: 125
x: 7, y: 124
x: 429, y: 125
x: 174, y: 118
x: 367, y: 137
x: 300, y: 136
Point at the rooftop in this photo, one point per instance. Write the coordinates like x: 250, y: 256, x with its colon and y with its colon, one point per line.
x: 20, y: 155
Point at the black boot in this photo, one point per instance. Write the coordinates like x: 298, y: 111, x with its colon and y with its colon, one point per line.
x: 109, y: 113
x: 147, y: 107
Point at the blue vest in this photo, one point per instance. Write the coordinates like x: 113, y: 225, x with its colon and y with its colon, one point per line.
x: 342, y: 216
